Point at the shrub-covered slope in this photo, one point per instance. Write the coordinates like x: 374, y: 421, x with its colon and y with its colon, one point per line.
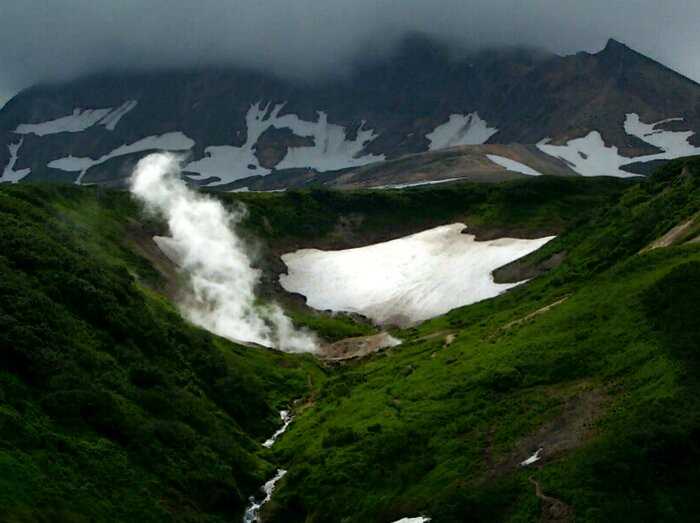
x: 531, y: 207
x: 595, y: 363
x: 112, y: 408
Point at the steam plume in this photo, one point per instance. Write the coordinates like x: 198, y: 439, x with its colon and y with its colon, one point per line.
x: 204, y: 243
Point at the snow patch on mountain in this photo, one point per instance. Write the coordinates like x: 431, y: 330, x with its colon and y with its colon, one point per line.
x: 112, y: 119
x: 9, y: 174
x: 414, y: 184
x: 589, y: 156
x: 406, y: 280
x: 79, y: 120
x: 674, y: 144
x: 460, y: 129
x: 230, y: 163
x: 331, y: 150
x: 512, y: 165
x: 72, y: 163
x: 175, y: 141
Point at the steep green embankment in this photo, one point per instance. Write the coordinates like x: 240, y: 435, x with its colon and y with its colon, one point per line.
x: 595, y: 362
x: 112, y: 408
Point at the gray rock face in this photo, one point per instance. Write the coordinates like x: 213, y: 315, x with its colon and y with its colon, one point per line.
x: 239, y: 128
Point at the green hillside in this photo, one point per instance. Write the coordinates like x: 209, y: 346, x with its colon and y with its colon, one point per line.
x: 113, y: 408
x: 596, y: 362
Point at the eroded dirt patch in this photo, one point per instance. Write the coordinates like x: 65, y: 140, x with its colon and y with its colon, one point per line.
x: 534, y: 314
x: 140, y: 239
x: 526, y: 269
x: 569, y: 430
x: 553, y: 509
x: 676, y: 235
x: 357, y: 347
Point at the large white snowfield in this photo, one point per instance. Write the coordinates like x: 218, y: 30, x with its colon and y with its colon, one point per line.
x: 406, y: 280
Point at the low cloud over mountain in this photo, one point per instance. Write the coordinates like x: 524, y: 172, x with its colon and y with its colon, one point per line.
x: 53, y: 41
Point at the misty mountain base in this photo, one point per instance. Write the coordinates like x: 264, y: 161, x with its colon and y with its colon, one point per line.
x: 114, y: 408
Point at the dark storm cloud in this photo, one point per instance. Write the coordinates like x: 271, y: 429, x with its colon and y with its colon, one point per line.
x: 49, y: 40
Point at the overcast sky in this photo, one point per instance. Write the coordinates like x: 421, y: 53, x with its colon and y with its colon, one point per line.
x: 53, y: 40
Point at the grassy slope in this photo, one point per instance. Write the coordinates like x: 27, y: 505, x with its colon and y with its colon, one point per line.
x: 440, y: 429
x: 533, y: 207
x: 112, y: 408
x: 529, y: 207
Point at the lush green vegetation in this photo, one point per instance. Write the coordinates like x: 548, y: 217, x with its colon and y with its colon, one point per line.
x: 341, y: 219
x: 606, y: 381
x: 321, y: 217
x: 112, y: 408
x: 331, y: 327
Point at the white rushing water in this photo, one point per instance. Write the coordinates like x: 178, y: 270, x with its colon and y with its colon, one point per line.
x: 253, y: 510
x: 287, y: 418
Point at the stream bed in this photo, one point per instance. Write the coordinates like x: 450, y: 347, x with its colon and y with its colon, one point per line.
x: 253, y: 510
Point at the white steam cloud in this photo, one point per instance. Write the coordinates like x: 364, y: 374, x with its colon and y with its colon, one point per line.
x: 220, y: 277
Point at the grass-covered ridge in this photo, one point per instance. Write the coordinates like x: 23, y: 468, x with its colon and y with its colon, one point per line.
x: 535, y: 206
x: 596, y: 362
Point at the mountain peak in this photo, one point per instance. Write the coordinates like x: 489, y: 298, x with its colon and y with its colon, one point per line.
x: 615, y: 45
x: 620, y: 56
x: 616, y: 49
x: 616, y: 54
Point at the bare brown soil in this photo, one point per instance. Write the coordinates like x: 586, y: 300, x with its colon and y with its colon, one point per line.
x: 534, y: 314
x: 354, y: 348
x: 553, y: 509
x: 140, y: 239
x: 675, y: 236
x: 569, y: 430
x: 526, y: 269
x: 466, y: 162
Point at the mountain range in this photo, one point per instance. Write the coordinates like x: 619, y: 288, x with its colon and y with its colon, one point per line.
x: 422, y: 115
